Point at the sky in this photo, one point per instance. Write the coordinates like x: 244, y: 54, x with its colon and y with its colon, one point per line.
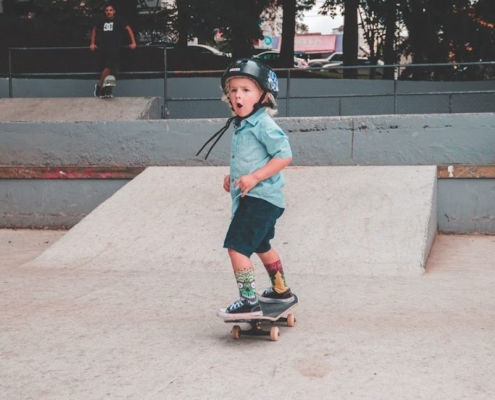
x: 321, y: 23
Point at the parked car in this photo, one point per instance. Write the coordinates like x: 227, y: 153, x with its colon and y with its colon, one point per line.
x: 204, y: 49
x: 335, y: 60
x: 272, y: 58
x: 365, y: 62
x: 336, y: 57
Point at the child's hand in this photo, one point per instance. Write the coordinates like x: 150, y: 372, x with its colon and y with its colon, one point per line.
x: 226, y: 183
x: 246, y: 183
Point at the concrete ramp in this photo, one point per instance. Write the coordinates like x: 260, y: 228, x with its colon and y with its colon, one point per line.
x: 340, y: 220
x: 79, y: 109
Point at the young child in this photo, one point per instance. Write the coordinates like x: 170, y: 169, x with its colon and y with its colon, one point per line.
x: 260, y: 151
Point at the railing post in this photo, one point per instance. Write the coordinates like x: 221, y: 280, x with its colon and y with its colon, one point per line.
x: 396, y: 75
x: 287, y: 106
x: 165, y: 106
x: 10, y: 76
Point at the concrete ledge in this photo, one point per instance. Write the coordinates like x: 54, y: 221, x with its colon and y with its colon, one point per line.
x: 367, y: 140
x: 79, y: 109
x: 367, y: 221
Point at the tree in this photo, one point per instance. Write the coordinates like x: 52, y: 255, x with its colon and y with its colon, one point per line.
x: 350, y: 44
x: 237, y: 20
x: 381, y: 27
x: 291, y: 9
x: 389, y: 51
x: 351, y: 34
x: 434, y: 28
x: 288, y: 32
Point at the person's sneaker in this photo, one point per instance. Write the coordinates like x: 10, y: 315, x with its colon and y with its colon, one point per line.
x: 240, y: 309
x: 98, y: 91
x: 271, y: 296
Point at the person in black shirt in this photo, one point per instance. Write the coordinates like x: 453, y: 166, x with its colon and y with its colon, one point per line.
x: 109, y: 32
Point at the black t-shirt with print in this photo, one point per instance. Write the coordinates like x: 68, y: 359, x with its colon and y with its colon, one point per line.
x: 110, y: 32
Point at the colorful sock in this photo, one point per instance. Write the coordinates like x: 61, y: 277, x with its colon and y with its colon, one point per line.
x: 246, y: 284
x: 276, y: 274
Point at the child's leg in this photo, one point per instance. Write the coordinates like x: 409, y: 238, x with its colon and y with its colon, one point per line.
x: 244, y: 275
x: 273, y: 265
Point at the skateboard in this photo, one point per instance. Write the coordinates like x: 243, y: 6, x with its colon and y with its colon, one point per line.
x: 272, y: 313
x: 108, y: 84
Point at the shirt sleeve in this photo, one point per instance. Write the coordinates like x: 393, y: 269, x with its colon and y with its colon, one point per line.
x: 275, y: 140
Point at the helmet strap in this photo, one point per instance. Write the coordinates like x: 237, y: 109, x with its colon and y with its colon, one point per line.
x: 219, y: 134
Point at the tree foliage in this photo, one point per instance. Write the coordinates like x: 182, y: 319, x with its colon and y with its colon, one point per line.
x: 426, y: 31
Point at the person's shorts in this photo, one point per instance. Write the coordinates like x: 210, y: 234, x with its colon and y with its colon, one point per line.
x: 110, y: 59
x: 253, y: 226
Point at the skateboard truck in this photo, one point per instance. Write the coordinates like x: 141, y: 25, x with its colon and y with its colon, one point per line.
x: 257, y: 330
x: 272, y: 313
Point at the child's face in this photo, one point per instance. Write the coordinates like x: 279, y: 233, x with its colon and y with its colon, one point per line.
x: 243, y: 93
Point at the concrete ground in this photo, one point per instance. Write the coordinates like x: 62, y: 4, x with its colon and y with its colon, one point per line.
x: 100, y: 334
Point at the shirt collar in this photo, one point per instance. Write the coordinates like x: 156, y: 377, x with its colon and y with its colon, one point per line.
x: 252, y: 119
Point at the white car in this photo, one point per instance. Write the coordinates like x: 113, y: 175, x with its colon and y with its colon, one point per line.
x: 334, y: 58
x: 364, y: 62
x: 272, y: 55
x: 204, y: 49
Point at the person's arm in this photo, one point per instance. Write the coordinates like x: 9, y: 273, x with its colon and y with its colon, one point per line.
x: 131, y: 35
x: 272, y: 167
x: 226, y: 183
x: 93, y: 46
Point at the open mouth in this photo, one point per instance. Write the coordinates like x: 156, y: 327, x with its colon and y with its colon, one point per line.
x: 239, y: 105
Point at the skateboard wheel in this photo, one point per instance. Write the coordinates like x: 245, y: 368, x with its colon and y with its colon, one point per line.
x: 236, y: 332
x: 274, y: 331
x: 291, y: 320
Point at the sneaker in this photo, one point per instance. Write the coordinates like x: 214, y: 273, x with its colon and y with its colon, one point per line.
x: 240, y: 309
x: 271, y: 296
x: 98, y: 91
x: 107, y: 91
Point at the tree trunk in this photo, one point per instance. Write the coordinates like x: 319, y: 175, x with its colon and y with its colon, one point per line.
x: 350, y: 41
x: 388, y: 50
x: 182, y: 22
x: 288, y: 33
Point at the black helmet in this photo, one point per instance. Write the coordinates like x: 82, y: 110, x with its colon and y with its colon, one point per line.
x: 254, y: 69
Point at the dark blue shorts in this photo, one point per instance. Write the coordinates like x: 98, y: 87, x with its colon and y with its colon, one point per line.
x: 253, y: 226
x: 110, y: 59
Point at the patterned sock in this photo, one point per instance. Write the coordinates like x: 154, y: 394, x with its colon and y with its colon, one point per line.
x: 276, y: 274
x: 246, y: 284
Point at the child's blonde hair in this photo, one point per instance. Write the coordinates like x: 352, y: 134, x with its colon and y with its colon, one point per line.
x: 269, y: 97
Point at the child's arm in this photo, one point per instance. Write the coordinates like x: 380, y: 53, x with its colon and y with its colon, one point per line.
x: 247, y: 182
x: 226, y: 183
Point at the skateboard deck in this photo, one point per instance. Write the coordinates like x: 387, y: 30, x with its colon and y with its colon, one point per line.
x: 272, y: 313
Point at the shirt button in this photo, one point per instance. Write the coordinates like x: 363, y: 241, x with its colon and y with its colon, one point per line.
x: 233, y: 156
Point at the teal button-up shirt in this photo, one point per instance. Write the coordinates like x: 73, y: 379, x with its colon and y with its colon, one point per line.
x: 256, y: 140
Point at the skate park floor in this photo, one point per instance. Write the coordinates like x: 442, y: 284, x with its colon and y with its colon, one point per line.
x: 99, y: 334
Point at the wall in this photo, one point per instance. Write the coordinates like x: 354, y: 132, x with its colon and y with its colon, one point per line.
x: 351, y: 97
x: 467, y: 139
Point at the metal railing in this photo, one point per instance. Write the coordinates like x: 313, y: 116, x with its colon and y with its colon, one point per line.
x: 483, y: 71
